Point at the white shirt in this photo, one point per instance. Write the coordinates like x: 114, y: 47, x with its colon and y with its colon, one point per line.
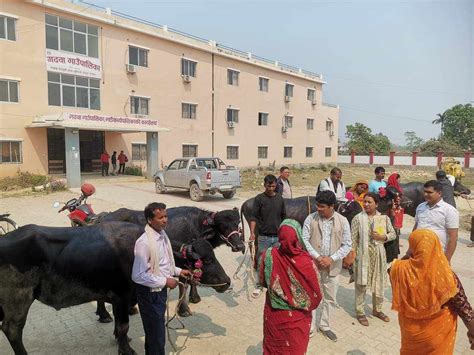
x: 141, y: 272
x: 438, y: 218
x: 286, y: 193
x: 326, y: 232
x: 340, y: 191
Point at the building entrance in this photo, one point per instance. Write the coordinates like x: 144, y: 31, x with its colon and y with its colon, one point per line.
x: 91, y: 146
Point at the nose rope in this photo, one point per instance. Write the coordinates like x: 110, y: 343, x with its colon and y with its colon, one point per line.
x: 226, y: 239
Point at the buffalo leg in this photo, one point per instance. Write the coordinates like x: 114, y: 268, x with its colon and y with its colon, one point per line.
x: 120, y: 309
x: 193, y: 294
x: 14, y: 320
x: 183, y: 309
x: 104, y: 316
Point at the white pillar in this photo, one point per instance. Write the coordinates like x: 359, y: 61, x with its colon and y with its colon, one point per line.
x: 151, y: 154
x: 73, y: 157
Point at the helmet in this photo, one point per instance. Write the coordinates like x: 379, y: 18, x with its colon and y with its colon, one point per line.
x: 87, y: 189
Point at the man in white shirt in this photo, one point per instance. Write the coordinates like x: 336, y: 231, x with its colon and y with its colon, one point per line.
x: 438, y: 216
x: 153, y: 272
x: 327, y: 237
x: 334, y: 184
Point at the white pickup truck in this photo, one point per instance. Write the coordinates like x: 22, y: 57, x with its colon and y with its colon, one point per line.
x: 200, y: 176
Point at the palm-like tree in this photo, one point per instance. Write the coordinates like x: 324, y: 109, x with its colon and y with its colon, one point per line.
x: 440, y: 120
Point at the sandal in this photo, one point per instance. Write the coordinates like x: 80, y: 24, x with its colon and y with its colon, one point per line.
x: 256, y: 293
x: 363, y: 320
x: 382, y: 316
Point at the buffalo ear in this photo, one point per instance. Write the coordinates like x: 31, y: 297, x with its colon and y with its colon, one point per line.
x: 236, y: 209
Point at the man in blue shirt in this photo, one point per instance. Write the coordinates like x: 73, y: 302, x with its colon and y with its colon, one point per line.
x: 378, y: 182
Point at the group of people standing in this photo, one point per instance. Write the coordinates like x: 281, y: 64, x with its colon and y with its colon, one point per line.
x: 300, y: 266
x: 105, y: 158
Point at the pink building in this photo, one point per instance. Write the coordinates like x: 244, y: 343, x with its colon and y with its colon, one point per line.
x: 75, y: 80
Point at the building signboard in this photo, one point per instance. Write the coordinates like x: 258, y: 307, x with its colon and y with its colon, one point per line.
x: 73, y: 64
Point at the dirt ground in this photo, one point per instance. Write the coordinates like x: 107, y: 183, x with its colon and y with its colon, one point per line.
x: 304, y: 182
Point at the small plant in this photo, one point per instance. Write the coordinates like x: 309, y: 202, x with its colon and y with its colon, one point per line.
x: 133, y: 170
x: 323, y: 167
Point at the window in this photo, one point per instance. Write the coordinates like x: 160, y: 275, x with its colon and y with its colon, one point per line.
x: 139, y: 105
x: 263, y: 84
x: 72, y: 36
x: 232, y: 152
x: 10, y: 152
x: 7, y: 28
x: 328, y: 126
x: 188, y: 67
x: 73, y: 91
x: 8, y: 90
x: 288, y: 121
x: 328, y: 152
x: 138, y: 56
x: 138, y: 151
x: 289, y: 90
x: 310, y: 123
x: 190, y: 150
x: 309, y: 152
x: 232, y: 115
x: 188, y: 110
x: 262, y: 152
x: 263, y: 119
x: 233, y: 77
x: 312, y: 95
x: 287, y: 152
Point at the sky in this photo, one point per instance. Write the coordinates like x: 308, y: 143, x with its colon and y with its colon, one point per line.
x: 391, y: 65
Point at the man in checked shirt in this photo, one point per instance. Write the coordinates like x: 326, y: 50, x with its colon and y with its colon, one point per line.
x: 327, y: 238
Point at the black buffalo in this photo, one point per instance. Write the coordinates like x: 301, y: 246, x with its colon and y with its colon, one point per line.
x: 64, y: 267
x: 186, y: 224
x: 413, y: 196
x: 300, y: 207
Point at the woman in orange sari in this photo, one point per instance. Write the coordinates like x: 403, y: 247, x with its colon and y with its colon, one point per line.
x: 291, y: 278
x: 358, y: 191
x: 424, y: 288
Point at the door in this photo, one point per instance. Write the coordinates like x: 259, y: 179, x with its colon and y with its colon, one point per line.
x: 171, y: 174
x: 91, y: 145
x: 56, y: 151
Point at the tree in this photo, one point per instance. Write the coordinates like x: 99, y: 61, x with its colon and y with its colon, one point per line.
x: 413, y: 141
x: 430, y: 147
x: 363, y: 141
x: 457, y: 125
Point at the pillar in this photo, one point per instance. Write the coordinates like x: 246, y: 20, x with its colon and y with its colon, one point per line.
x: 353, y: 155
x: 439, y: 155
x: 151, y: 154
x: 414, y: 155
x: 392, y: 158
x: 73, y: 157
x: 467, y: 159
x: 371, y: 157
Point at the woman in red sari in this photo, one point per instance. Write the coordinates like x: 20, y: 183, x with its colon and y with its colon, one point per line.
x: 290, y: 276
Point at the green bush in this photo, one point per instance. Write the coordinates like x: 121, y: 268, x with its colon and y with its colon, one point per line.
x: 323, y: 167
x: 133, y: 170
x: 22, y: 180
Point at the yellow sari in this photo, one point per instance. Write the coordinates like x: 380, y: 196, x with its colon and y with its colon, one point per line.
x: 421, y: 286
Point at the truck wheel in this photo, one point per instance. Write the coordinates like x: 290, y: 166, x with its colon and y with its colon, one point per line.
x: 159, y: 187
x: 195, y: 192
x: 228, y: 194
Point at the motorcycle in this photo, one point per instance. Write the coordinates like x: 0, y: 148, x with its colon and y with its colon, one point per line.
x: 80, y: 212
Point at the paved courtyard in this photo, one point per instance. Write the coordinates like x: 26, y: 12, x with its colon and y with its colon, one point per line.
x: 228, y: 323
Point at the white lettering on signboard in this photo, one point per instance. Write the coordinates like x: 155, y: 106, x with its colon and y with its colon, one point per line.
x: 73, y: 64
x: 115, y: 121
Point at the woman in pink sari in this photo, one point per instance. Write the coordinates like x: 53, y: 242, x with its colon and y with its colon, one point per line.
x: 290, y: 276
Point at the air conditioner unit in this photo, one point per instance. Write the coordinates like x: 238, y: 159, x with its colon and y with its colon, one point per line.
x: 284, y: 129
x: 131, y: 68
x: 287, y: 98
x: 186, y: 78
x: 230, y: 124
x: 313, y: 102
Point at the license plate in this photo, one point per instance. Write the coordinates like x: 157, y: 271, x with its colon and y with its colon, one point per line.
x: 225, y: 187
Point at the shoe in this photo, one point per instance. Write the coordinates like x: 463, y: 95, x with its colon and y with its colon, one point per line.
x: 311, y: 333
x: 257, y: 292
x: 329, y: 334
x: 381, y: 316
x: 363, y: 320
